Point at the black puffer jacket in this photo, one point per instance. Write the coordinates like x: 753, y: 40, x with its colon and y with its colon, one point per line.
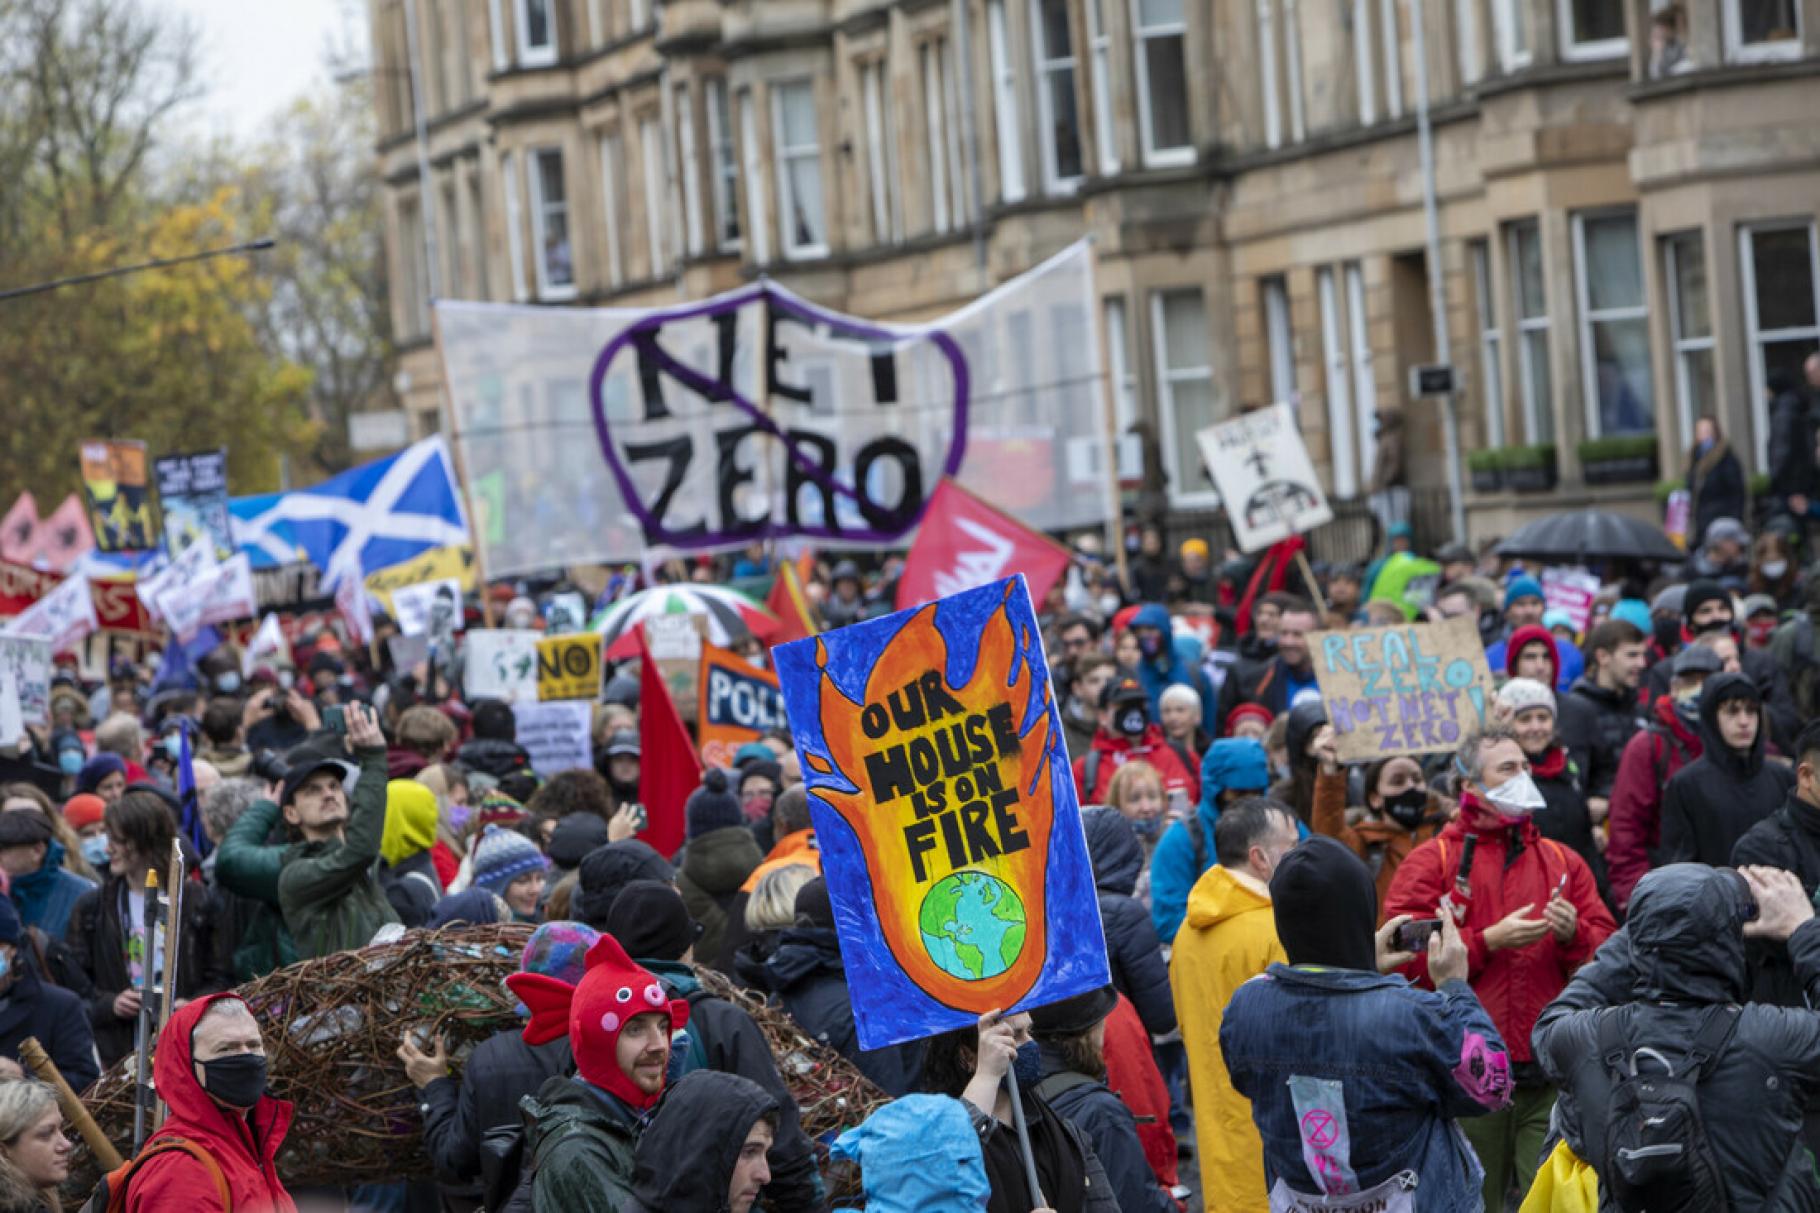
x: 1132, y: 948
x: 806, y: 974
x: 1595, y: 724
x: 687, y: 1154
x: 1680, y: 953
x: 1711, y: 803
x: 1788, y: 839
x: 1567, y: 820
x: 1109, y: 1127
x: 494, y: 756
x: 502, y: 1070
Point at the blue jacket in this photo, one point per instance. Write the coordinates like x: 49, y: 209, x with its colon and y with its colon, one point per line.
x: 1156, y: 676
x: 1568, y: 662
x: 1405, y: 1063
x: 46, y: 897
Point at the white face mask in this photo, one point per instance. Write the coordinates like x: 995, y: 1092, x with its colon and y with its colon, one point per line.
x: 1517, y: 798
x: 1773, y: 569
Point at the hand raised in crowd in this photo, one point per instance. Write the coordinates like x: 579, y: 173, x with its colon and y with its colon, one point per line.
x: 1389, y: 959
x: 1447, y: 959
x: 625, y: 823
x: 997, y: 1047
x: 1782, y: 904
x: 1516, y: 929
x: 256, y: 707
x: 1326, y: 748
x: 302, y: 710
x: 420, y: 1067
x: 1562, y: 918
x: 363, y: 727
x: 126, y: 1003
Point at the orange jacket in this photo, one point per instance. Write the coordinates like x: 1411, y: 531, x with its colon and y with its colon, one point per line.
x: 791, y: 848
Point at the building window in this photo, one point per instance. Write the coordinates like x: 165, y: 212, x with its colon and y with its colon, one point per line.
x: 1533, y: 381
x: 1391, y: 29
x: 1279, y: 336
x: 878, y: 152
x: 799, y: 169
x: 1690, y: 328
x: 1362, y: 58
x: 1781, y: 307
x: 1491, y: 344
x: 1344, y: 455
x: 724, y: 163
x: 656, y: 180
x: 1591, y: 29
x: 1292, y: 62
x: 758, y: 213
x: 1510, y: 22
x: 1099, y: 47
x: 1614, y: 325
x: 1466, y: 30
x: 1184, y: 376
x: 550, y: 225
x: 536, y: 33
x: 641, y: 14
x: 1160, y: 28
x: 1756, y: 30
x: 944, y: 210
x: 613, y: 201
x: 1057, y: 118
x: 1122, y: 376
x: 691, y: 170
x: 1267, y: 73
x: 1364, y: 373
x: 1004, y: 105
x: 515, y: 249
x: 496, y: 37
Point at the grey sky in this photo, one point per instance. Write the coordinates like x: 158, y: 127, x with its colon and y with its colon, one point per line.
x: 259, y: 55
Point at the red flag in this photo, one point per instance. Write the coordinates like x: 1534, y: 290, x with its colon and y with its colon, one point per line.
x: 1270, y: 576
x: 964, y: 543
x: 787, y: 601
x: 668, y: 769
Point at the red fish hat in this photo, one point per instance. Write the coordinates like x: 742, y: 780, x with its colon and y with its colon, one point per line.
x: 612, y: 992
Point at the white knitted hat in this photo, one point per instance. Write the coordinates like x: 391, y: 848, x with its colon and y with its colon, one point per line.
x: 1520, y: 694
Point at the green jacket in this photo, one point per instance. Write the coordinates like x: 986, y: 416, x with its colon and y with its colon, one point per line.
x: 246, y: 869
x: 329, y: 891
x: 580, y: 1146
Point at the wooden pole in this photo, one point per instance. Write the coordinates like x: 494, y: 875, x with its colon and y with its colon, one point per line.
x: 1314, y: 587
x: 461, y: 472
x: 34, y: 1056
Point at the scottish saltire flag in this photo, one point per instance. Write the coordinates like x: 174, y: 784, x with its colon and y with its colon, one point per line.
x: 373, y: 516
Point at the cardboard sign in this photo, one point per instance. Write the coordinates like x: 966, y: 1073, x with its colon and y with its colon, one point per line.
x: 119, y: 499
x: 407, y: 652
x: 1412, y: 689
x: 739, y: 702
x: 437, y: 564
x: 946, y: 813
x: 192, y: 493
x: 675, y: 643
x: 431, y: 609
x: 1572, y: 591
x: 556, y: 735
x: 63, y: 616
x: 568, y: 667
x: 501, y: 663
x: 25, y: 685
x: 220, y: 595
x: 1265, y: 478
x: 565, y: 613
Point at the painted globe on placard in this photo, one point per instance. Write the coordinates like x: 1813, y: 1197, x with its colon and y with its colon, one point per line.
x: 972, y: 925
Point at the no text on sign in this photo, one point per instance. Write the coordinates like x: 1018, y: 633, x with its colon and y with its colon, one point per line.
x: 1436, y: 380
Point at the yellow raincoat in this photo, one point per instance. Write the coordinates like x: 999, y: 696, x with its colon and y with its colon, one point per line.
x: 1228, y: 937
x: 1563, y: 1185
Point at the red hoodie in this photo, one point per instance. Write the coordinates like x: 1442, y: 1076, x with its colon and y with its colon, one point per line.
x: 1114, y: 751
x: 1650, y: 759
x: 243, y: 1146
x: 1525, y: 636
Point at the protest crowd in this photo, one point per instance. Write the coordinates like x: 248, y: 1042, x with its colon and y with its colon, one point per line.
x: 1375, y: 936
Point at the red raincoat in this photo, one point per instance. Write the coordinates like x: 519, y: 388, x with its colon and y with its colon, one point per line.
x: 243, y: 1146
x: 1114, y: 751
x: 1131, y: 1072
x: 1649, y: 761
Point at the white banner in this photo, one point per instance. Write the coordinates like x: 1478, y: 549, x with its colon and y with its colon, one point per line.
x: 590, y: 436
x: 25, y: 685
x: 196, y: 561
x: 64, y: 616
x: 501, y: 663
x: 267, y: 647
x: 1264, y: 476
x: 220, y: 595
x: 556, y: 734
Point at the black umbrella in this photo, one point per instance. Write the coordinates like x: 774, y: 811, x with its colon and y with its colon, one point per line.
x: 1583, y: 535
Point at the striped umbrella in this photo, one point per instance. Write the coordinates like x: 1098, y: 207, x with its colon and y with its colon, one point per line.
x: 731, y: 615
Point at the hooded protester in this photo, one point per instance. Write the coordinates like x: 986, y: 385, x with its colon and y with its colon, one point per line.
x: 1160, y: 665
x: 705, y: 1148
x: 504, y: 1068
x: 1708, y: 614
x: 619, y: 762
x: 918, y: 1154
x: 453, y: 813
x: 406, y: 871
x: 650, y: 920
x: 1400, y: 814
x: 1381, y: 1068
x: 1071, y: 1041
x: 1709, y: 806
x: 807, y: 976
x: 210, y: 1071
x: 1309, y: 742
x: 1564, y: 817
x: 583, y: 1129
x: 1788, y: 839
x: 720, y: 854
x: 1524, y: 606
x: 1234, y: 769
x: 607, y: 870
x: 45, y: 891
x: 1529, y: 913
x: 31, y: 1005
x: 1132, y: 949
x: 1129, y: 732
x: 1668, y: 743
x: 1671, y: 982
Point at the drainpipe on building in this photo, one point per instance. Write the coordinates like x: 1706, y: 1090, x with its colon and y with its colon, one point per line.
x: 1437, y: 287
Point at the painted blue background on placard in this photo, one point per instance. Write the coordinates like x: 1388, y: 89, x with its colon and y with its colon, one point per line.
x: 888, y: 1007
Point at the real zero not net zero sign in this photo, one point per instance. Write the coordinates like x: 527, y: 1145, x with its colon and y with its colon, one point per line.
x: 1407, y: 689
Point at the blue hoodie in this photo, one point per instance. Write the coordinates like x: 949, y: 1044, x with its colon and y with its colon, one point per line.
x: 1231, y: 762
x: 918, y: 1154
x: 1156, y: 675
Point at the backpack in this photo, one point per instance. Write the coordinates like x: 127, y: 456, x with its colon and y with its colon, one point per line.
x: 1656, y: 1153
x: 109, y: 1195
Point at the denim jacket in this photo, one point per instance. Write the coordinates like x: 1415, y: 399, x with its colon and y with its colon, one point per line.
x: 1360, y: 1076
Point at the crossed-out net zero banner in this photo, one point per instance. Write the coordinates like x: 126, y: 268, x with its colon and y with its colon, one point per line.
x: 592, y: 435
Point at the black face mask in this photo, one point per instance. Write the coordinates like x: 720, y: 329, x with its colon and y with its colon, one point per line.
x: 1667, y: 630
x: 1408, y: 807
x: 237, y: 1080
x: 1132, y: 721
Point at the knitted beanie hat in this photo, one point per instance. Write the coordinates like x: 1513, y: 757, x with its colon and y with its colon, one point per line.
x: 560, y: 950
x: 1521, y: 694
x: 496, y: 808
x: 83, y: 809
x: 502, y: 856
x: 712, y: 806
x: 98, y: 768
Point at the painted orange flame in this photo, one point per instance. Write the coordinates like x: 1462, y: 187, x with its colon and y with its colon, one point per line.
x: 999, y: 677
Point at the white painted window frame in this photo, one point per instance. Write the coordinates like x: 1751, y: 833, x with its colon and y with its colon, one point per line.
x: 935, y: 126
x: 612, y: 168
x: 653, y: 175
x: 1182, y: 154
x: 758, y: 199
x: 1680, y: 343
x: 1737, y: 50
x: 1756, y: 335
x: 1279, y: 339
x: 1364, y: 63
x: 1364, y: 377
x: 882, y: 195
x: 1338, y: 366
x: 529, y: 55
x: 687, y: 155
x: 1389, y: 29
x: 1491, y: 343
x: 1047, y: 66
x: 1575, y: 51
x: 540, y: 208
x: 1167, y: 380
x: 1099, y: 46
x: 1267, y: 74
x: 1589, y: 368
x: 723, y: 154
x: 1508, y: 25
x: 1006, y: 116
x: 1466, y: 31
x: 784, y: 154
x: 496, y: 35
x: 1122, y: 381
x: 515, y: 239
x: 1538, y: 421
